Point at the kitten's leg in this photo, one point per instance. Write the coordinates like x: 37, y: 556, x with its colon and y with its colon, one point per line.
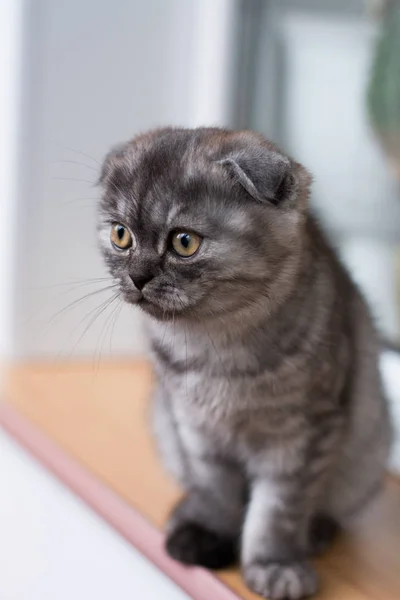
x: 167, y: 436
x: 282, y: 527
x: 204, y: 527
x: 275, y: 541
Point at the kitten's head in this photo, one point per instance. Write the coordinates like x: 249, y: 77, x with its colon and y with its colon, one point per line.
x: 201, y: 222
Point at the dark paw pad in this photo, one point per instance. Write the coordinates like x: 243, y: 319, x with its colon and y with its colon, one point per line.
x: 279, y: 581
x: 192, y: 544
x: 323, y: 531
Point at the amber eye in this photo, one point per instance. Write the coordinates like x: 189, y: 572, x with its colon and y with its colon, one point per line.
x: 185, y: 243
x: 120, y: 237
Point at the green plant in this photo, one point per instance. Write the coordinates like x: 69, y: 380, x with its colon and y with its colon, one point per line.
x: 383, y: 94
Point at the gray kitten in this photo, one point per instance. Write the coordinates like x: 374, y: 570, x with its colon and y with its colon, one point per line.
x: 269, y: 408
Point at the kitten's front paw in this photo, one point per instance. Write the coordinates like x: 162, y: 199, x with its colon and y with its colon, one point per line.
x: 192, y: 544
x: 280, y: 581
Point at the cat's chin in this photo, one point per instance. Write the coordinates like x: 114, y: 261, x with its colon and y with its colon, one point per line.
x: 156, y: 311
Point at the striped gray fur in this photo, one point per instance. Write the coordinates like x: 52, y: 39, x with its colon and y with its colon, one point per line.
x: 269, y: 408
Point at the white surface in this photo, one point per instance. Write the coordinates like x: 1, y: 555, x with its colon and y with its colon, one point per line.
x: 10, y: 76
x: 53, y: 547
x: 212, y: 62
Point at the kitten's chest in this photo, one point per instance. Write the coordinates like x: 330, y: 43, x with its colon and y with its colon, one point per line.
x: 191, y: 372
x: 223, y: 388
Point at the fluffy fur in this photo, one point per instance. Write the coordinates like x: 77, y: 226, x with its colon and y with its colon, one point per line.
x: 269, y: 408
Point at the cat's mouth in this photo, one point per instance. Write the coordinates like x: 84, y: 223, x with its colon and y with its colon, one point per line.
x: 160, y: 305
x: 132, y: 297
x: 151, y: 307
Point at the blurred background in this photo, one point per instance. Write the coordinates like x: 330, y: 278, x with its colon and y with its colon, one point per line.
x: 319, y: 77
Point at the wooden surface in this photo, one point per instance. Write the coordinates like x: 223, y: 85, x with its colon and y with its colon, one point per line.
x: 100, y: 417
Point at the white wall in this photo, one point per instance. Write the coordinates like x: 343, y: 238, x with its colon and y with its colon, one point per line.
x: 11, y: 35
x: 95, y: 75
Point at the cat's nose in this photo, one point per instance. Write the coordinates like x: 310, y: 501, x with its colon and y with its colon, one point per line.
x: 140, y: 282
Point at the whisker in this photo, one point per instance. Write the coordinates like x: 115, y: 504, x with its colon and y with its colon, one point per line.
x: 98, y: 311
x: 81, y: 200
x: 117, y: 312
x: 107, y: 331
x: 71, y: 287
x: 79, y: 282
x: 165, y: 328
x: 92, y: 183
x: 63, y: 147
x: 91, y: 158
x: 186, y: 349
x: 218, y: 355
x: 163, y: 337
x: 70, y: 353
x: 74, y: 162
x: 171, y: 347
x: 79, y: 300
x: 186, y: 366
x: 103, y: 334
x: 44, y: 327
x: 89, y: 314
x: 74, y: 179
x: 81, y: 206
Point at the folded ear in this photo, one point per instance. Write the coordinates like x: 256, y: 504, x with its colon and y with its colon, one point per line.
x: 112, y: 165
x: 267, y: 175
